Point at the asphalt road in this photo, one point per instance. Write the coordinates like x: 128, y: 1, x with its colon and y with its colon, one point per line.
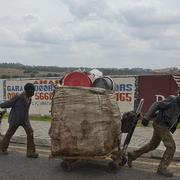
x: 16, y: 166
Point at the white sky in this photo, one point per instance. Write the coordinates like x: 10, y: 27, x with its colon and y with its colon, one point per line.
x: 91, y: 33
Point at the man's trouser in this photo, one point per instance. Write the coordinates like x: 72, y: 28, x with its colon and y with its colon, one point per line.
x: 10, y: 132
x: 159, y: 134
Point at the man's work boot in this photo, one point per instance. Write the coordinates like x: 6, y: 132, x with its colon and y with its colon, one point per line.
x: 31, y: 150
x: 3, y: 152
x: 164, y: 172
x: 130, y: 159
x: 32, y: 155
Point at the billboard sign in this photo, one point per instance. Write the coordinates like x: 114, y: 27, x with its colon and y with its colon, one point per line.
x: 2, y: 90
x: 41, y: 101
x: 125, y: 93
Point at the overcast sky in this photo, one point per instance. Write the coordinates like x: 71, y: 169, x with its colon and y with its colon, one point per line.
x: 91, y: 33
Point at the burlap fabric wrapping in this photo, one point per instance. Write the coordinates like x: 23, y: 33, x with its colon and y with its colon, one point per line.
x: 85, y: 122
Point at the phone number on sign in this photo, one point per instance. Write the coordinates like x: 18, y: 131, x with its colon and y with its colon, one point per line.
x: 37, y: 96
x: 43, y: 96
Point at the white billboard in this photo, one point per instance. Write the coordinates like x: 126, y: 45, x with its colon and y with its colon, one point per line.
x: 2, y: 93
x: 125, y: 91
x: 41, y: 101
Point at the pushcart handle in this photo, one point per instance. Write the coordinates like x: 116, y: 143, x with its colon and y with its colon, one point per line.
x: 140, y: 105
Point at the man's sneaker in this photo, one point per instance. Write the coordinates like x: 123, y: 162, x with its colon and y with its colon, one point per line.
x: 3, y: 152
x: 164, y: 172
x: 33, y: 155
x: 130, y: 159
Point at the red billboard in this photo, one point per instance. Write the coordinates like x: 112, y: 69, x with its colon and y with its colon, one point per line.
x: 156, y: 87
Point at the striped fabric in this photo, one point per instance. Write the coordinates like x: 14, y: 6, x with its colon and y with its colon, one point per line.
x: 177, y: 79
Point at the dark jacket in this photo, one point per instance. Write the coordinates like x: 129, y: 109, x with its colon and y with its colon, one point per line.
x: 173, y: 129
x: 19, y: 114
x: 166, y: 112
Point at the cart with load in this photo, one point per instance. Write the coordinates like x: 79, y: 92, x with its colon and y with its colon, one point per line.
x: 86, y: 125
x: 86, y: 121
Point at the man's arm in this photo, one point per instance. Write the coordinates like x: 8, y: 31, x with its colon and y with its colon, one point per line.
x: 156, y: 106
x: 9, y: 103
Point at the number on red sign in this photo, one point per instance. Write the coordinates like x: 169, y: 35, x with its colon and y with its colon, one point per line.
x: 123, y: 97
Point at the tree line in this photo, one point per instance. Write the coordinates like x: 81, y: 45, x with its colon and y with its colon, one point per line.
x: 54, y: 71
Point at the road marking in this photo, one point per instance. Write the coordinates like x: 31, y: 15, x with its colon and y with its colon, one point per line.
x: 24, y: 148
x: 22, y: 151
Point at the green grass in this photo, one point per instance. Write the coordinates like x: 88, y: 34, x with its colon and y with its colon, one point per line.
x: 48, y: 118
x: 40, y: 118
x: 35, y: 117
x: 5, y: 116
x: 178, y: 127
x: 140, y: 125
x: 150, y: 124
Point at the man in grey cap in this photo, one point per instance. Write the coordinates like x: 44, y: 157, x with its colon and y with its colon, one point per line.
x: 19, y: 116
x: 166, y: 116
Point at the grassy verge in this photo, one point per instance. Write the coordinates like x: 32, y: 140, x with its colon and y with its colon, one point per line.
x: 48, y: 118
x: 40, y: 118
x: 35, y: 117
x: 150, y: 124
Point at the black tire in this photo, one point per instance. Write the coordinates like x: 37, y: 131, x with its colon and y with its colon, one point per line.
x: 123, y: 162
x: 66, y: 166
x: 112, y: 166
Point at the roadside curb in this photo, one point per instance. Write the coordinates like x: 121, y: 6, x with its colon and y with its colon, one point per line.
x: 38, y: 141
x: 157, y: 153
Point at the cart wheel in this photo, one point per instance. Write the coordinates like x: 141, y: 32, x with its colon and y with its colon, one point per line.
x: 66, y: 166
x: 123, y: 161
x: 112, y: 166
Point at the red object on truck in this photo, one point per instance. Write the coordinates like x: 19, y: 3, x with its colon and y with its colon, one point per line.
x: 156, y: 87
x: 77, y: 78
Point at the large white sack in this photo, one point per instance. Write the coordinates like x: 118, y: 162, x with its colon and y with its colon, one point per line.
x: 85, y: 122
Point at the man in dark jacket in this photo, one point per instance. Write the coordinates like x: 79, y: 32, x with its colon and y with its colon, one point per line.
x: 19, y: 116
x: 166, y: 117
